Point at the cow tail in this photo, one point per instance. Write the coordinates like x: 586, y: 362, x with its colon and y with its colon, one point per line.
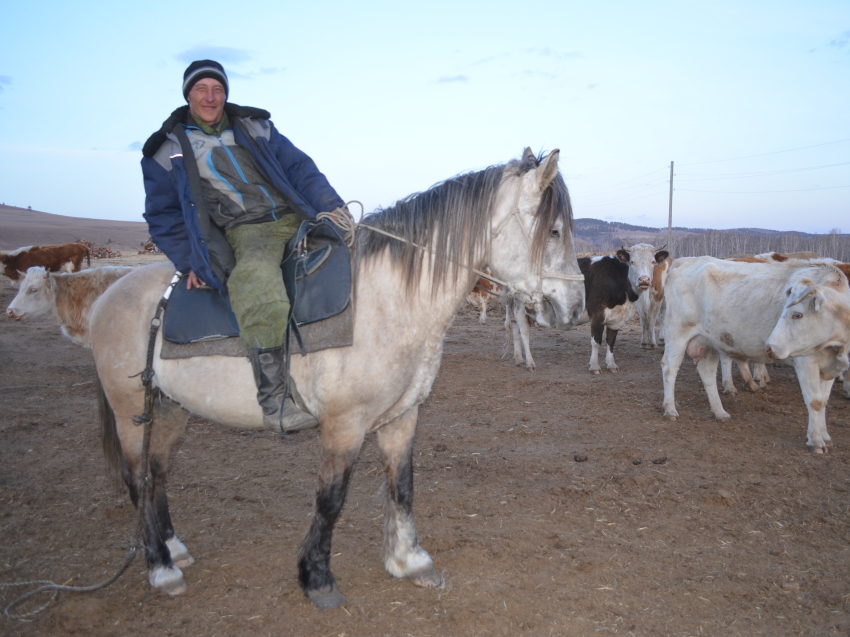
x: 109, y: 433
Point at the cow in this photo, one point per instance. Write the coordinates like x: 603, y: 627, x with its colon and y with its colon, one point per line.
x: 484, y: 288
x: 612, y: 286
x: 66, y: 257
x: 64, y: 298
x: 651, y: 303
x: 716, y: 306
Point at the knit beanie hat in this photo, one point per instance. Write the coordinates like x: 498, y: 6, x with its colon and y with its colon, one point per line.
x: 200, y: 69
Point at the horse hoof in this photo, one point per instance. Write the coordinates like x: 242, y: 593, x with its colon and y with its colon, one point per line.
x: 325, y: 600
x: 179, y: 553
x: 168, y: 580
x: 428, y: 579
x: 596, y: 372
x: 671, y: 417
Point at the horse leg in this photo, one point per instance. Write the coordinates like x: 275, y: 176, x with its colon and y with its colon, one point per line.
x: 169, y: 423
x: 403, y: 557
x: 760, y: 374
x: 610, y: 339
x: 340, y: 447
x: 522, y: 321
x: 169, y: 420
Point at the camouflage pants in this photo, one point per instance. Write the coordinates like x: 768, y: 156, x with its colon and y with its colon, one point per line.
x: 256, y: 289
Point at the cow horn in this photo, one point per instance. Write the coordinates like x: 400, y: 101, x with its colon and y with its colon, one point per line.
x: 806, y: 291
x: 659, y: 249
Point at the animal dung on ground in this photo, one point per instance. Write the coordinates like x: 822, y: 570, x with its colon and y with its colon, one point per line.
x: 579, y: 458
x: 660, y: 460
x: 636, y: 462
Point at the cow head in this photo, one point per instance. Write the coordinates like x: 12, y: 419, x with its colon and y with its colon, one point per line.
x: 641, y: 259
x: 816, y: 318
x: 36, y: 296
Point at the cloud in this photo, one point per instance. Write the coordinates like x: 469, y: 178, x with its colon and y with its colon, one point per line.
x: 557, y: 55
x: 223, y: 54
x: 4, y: 79
x: 135, y: 146
x: 452, y: 79
x: 841, y: 41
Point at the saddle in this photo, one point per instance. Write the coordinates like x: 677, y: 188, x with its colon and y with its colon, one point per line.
x: 316, y: 271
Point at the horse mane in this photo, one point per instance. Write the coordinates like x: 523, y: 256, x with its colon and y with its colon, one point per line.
x: 450, y: 220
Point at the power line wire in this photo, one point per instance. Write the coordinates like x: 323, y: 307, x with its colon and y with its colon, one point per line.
x: 719, y: 176
x: 743, y: 192
x: 776, y: 152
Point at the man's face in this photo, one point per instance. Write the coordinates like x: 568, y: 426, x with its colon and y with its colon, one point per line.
x: 206, y: 100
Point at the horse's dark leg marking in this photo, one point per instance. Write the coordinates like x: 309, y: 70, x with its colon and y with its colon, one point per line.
x: 403, y: 556
x: 314, y: 560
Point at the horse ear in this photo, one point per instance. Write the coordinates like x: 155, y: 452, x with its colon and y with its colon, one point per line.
x: 528, y: 155
x: 549, y: 170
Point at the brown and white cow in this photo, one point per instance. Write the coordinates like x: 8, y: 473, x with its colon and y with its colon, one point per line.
x: 66, y: 257
x: 64, y: 298
x: 716, y: 306
x: 481, y: 293
x: 612, y: 286
x: 651, y: 303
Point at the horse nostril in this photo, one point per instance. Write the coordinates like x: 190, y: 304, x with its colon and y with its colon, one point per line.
x: 769, y: 352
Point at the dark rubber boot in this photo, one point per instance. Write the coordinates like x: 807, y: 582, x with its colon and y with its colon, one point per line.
x: 268, y: 365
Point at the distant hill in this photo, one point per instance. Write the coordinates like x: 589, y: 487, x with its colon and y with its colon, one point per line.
x: 24, y: 227
x: 609, y: 234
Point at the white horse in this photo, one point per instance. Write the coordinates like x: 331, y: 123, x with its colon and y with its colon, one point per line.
x: 515, y: 218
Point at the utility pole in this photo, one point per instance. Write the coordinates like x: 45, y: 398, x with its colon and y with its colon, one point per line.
x: 670, y: 214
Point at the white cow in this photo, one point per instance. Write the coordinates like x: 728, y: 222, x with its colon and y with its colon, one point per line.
x: 718, y: 306
x: 651, y: 303
x: 64, y: 298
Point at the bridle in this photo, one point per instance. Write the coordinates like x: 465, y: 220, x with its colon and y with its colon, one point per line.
x: 537, y: 295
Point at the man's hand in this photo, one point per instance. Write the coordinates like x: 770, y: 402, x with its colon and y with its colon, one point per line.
x: 192, y: 281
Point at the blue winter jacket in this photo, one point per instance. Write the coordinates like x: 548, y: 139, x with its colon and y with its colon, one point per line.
x: 174, y: 204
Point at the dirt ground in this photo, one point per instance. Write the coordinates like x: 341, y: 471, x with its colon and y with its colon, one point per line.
x: 542, y: 496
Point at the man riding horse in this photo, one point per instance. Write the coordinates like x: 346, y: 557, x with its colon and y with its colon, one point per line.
x: 224, y: 192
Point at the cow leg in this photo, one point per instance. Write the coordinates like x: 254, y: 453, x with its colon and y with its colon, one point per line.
x: 403, y: 557
x: 610, y: 339
x: 815, y: 394
x: 746, y: 376
x: 597, y: 325
x: 707, y: 369
x: 661, y: 308
x: 521, y: 317
x: 726, y: 375
x: 643, y: 317
x: 513, y: 332
x: 760, y: 374
x: 654, y: 311
x: 674, y: 354
x: 340, y: 446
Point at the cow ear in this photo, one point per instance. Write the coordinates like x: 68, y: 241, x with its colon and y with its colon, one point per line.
x: 661, y: 255
x: 623, y: 256
x: 549, y: 170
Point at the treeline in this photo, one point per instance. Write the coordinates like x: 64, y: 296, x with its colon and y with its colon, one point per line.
x: 722, y: 243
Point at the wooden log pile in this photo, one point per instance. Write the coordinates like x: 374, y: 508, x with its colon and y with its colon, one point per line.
x: 99, y: 252
x: 150, y: 248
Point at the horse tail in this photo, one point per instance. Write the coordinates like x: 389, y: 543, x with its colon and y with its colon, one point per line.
x: 109, y: 433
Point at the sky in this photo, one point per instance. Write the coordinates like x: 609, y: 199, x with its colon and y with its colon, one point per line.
x: 750, y: 100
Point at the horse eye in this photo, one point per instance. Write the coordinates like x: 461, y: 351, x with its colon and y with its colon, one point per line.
x: 555, y: 233
x: 796, y: 315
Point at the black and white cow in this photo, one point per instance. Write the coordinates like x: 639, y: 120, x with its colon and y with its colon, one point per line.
x: 612, y: 286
